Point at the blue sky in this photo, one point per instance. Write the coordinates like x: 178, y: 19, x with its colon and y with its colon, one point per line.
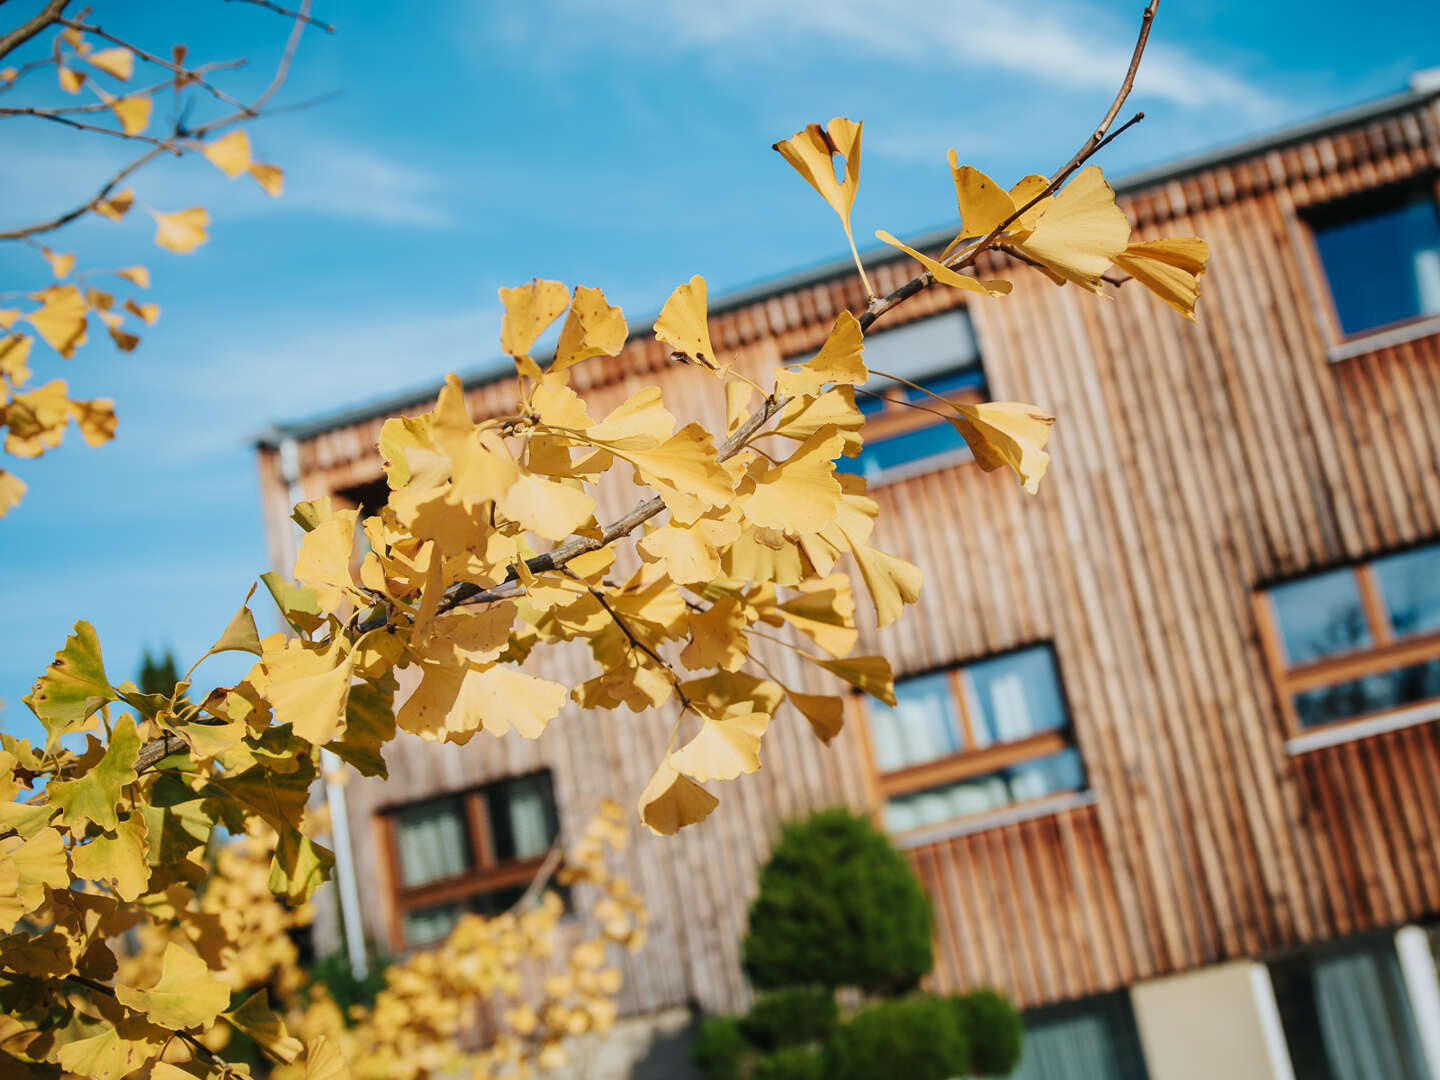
x: 617, y: 143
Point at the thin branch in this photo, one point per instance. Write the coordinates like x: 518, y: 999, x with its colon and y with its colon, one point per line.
x: 47, y: 16
x: 100, y: 196
x: 553, y: 858
x: 292, y: 14
x: 637, y: 643
x: 55, y: 116
x: 159, y: 61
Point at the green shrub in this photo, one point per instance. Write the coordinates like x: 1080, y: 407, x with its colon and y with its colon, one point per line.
x: 791, y: 1063
x: 838, y: 906
x: 790, y: 1018
x: 720, y: 1049
x: 916, y: 1038
x: 993, y: 1029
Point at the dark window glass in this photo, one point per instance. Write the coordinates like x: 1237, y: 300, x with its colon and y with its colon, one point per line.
x: 1374, y: 693
x: 433, y: 841
x: 1346, y: 1014
x: 1096, y: 1039
x: 1383, y: 264
x: 1410, y: 584
x: 1319, y: 616
x: 522, y: 816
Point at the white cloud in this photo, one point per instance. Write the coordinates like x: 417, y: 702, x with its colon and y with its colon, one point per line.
x: 1081, y: 49
x: 340, y: 179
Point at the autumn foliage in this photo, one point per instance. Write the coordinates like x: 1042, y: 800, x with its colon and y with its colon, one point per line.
x: 743, y: 543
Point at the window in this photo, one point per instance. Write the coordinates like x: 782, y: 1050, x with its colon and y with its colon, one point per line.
x: 1381, y: 256
x: 473, y: 851
x: 980, y: 737
x: 1356, y: 642
x: 1096, y: 1038
x: 1346, y: 1013
x: 940, y: 354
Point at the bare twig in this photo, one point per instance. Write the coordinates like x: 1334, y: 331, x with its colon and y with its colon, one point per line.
x: 47, y: 16
x: 190, y: 76
x: 56, y: 116
x: 292, y: 14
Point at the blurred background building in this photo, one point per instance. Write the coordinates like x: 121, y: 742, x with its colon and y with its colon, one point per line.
x: 1167, y: 748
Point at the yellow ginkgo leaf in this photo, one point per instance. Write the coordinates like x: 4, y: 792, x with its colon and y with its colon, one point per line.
x: 691, y: 554
x: 60, y: 265
x: 839, y: 361
x: 96, y: 419
x: 717, y: 639
x: 61, y: 318
x: 137, y: 274
x: 255, y: 1018
x: 124, y: 341
x: 682, y: 324
x: 1025, y: 189
x: 230, y: 154
x: 811, y: 153
x: 186, y: 995
x: 868, y: 673
x: 1169, y: 268
x: 323, y: 1061
x: 269, y: 177
x: 453, y: 702
x: 115, y: 208
x: 1080, y: 232
x: 181, y: 231
x: 801, y: 493
x: 27, y: 868
x: 944, y: 274
x: 640, y: 422
x: 825, y: 712
x: 117, y: 858
x: 133, y: 113
x: 891, y: 581
x: 983, y: 204
x: 117, y: 62
x: 323, y: 561
x: 1006, y: 433
x: 148, y: 313
x: 671, y: 801
x: 529, y: 309
x: 683, y: 471
x: 824, y: 610
x: 71, y: 80
x: 307, y: 686
x: 548, y: 508
x: 725, y: 746
x: 12, y: 490
x: 15, y: 357
x: 593, y: 327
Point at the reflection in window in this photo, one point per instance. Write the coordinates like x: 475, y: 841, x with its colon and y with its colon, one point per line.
x: 1382, y: 260
x: 1372, y: 694
x: 987, y: 735
x: 1410, y: 584
x: 432, y: 841
x: 1094, y: 1039
x: 1346, y: 1014
x: 1320, y: 615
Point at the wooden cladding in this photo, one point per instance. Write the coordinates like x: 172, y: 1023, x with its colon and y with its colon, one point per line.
x: 1192, y: 465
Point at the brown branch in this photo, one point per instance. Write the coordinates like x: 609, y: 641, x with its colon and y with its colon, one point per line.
x: 156, y: 750
x: 47, y: 16
x: 292, y: 14
x: 70, y: 215
x: 57, y: 117
x: 637, y: 643
x: 169, y: 65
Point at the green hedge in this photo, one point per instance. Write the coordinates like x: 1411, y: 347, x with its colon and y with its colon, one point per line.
x: 993, y: 1030
x: 720, y: 1050
x: 790, y: 1018
x: 838, y: 906
x: 915, y: 1038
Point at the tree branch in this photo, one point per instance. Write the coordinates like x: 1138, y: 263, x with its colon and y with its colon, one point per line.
x: 47, y: 16
x: 286, y: 11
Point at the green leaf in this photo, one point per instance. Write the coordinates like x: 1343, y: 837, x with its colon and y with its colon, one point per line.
x: 187, y: 994
x: 175, y: 822
x: 73, y: 688
x: 240, y: 635
x: 300, y: 866
x: 369, y: 725
x: 255, y: 1018
x: 95, y: 795
x: 298, y: 603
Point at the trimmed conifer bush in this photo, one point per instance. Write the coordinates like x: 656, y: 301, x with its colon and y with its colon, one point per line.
x: 993, y: 1029
x: 917, y: 1038
x: 838, y: 906
x: 790, y: 1018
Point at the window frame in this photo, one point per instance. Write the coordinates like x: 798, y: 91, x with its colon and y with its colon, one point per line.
x: 486, y: 874
x: 1342, y: 345
x: 1387, y: 651
x: 975, y: 761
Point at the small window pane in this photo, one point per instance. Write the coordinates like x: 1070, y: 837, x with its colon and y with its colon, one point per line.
x: 1094, y: 1039
x: 948, y: 382
x: 1410, y: 584
x: 922, y: 349
x: 1319, y: 616
x: 1383, y: 266
x: 522, y: 816
x: 924, y: 724
x: 1019, y: 783
x: 432, y: 840
x: 1373, y: 694
x: 1015, y: 696
x: 429, y: 925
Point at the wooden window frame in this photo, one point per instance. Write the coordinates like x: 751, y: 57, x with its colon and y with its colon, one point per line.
x: 1387, y: 653
x: 1324, y: 300
x: 486, y: 874
x: 966, y: 763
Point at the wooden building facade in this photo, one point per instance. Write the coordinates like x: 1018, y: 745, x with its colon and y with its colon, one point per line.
x: 1244, y: 783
